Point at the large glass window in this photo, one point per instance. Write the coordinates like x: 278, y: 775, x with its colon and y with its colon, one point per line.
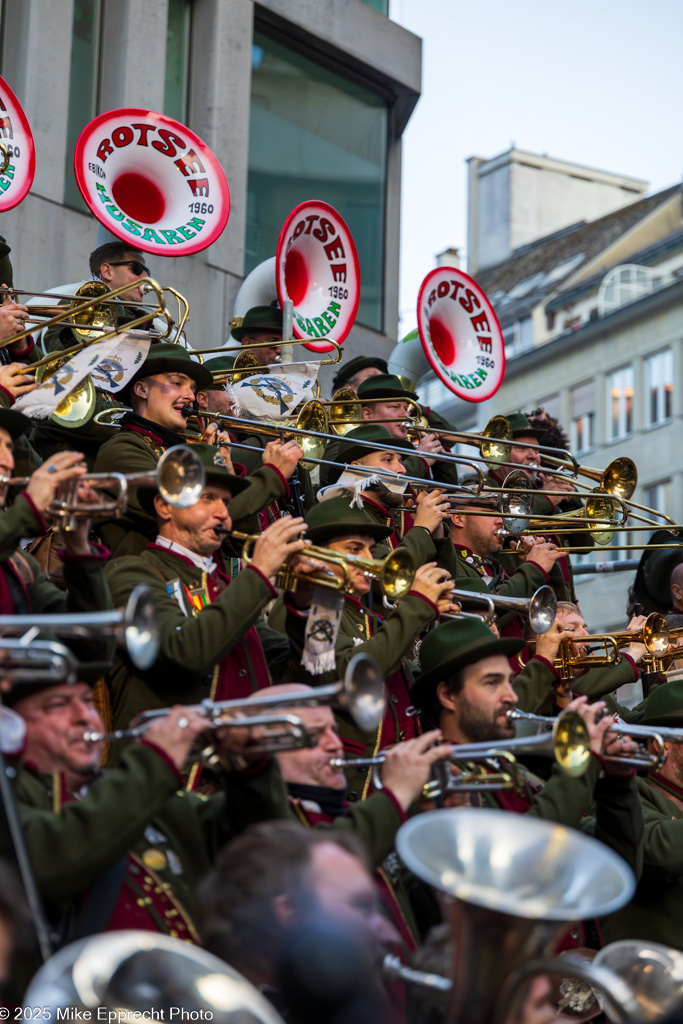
x: 83, y: 82
x: 658, y: 496
x: 379, y: 5
x: 315, y: 135
x: 659, y: 382
x: 620, y: 403
x: 583, y: 417
x: 177, y: 59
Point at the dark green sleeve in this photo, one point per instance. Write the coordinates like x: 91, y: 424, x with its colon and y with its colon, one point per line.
x: 598, y: 682
x: 71, y: 849
x: 420, y: 544
x: 195, y: 642
x: 266, y: 485
x: 17, y: 522
x: 523, y: 582
x: 255, y: 795
x: 619, y: 820
x: 663, y: 833
x: 127, y: 453
x: 566, y: 800
x: 387, y: 647
x: 534, y: 686
x: 376, y: 822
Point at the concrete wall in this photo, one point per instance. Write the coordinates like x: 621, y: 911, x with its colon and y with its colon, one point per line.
x: 50, y: 242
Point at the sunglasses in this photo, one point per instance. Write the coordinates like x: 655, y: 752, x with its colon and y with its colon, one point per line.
x: 138, y: 268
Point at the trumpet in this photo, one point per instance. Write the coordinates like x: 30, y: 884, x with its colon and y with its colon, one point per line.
x: 540, y: 608
x: 395, y: 573
x: 41, y: 660
x: 179, y: 477
x: 360, y: 693
x: 134, y: 627
x: 568, y: 744
x: 601, y: 649
x: 649, y: 759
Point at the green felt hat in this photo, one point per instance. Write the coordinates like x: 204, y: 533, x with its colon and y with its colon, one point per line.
x: 521, y: 427
x: 167, y: 358
x: 664, y: 706
x: 218, y: 365
x: 347, y: 449
x: 451, y: 647
x: 334, y: 518
x: 384, y: 385
x: 354, y: 366
x: 258, y: 318
x: 216, y: 473
x: 15, y: 423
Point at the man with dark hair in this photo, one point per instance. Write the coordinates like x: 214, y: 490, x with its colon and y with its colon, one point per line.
x: 261, y: 325
x: 352, y: 373
x: 275, y: 885
x: 465, y: 688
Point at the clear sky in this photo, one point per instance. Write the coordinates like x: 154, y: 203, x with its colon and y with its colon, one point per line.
x: 597, y: 82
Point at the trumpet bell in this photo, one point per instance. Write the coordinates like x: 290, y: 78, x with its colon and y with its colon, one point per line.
x: 656, y: 634
x: 141, y: 628
x: 654, y: 974
x: 497, y: 449
x: 344, y: 407
x: 515, y: 509
x: 78, y: 406
x: 180, y: 476
x: 134, y: 973
x: 363, y: 688
x: 246, y: 362
x: 620, y: 478
x: 99, y: 318
x: 600, y: 506
x: 312, y: 417
x: 572, y: 745
x: 397, y: 574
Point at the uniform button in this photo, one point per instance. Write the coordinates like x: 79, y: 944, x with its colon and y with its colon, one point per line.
x: 574, y: 934
x: 242, y: 673
x: 394, y: 699
x: 352, y: 796
x: 401, y: 735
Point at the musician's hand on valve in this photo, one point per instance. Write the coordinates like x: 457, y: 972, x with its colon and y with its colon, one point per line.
x: 17, y: 379
x: 544, y: 553
x: 433, y: 583
x: 597, y: 729
x: 176, y: 732
x: 12, y: 318
x: 280, y: 541
x: 548, y: 643
x: 557, y: 483
x: 232, y: 744
x: 635, y: 650
x: 428, y: 445
x: 432, y: 507
x: 54, y: 472
x: 284, y: 456
x: 407, y: 765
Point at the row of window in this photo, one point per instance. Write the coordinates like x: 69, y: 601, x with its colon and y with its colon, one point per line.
x: 620, y: 391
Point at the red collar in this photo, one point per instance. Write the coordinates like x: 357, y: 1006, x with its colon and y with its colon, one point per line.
x: 665, y: 784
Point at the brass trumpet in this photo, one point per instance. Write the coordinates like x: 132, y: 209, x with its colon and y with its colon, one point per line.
x: 649, y: 759
x: 179, y: 477
x: 360, y: 693
x: 135, y: 627
x: 540, y: 608
x: 600, y: 649
x: 395, y: 573
x: 568, y: 744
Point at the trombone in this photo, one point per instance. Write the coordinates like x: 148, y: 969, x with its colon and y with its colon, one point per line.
x: 360, y: 693
x: 255, y: 366
x: 179, y: 477
x: 654, y: 736
x: 134, y: 627
x: 568, y: 743
x: 346, y: 410
x: 395, y: 573
x: 94, y: 333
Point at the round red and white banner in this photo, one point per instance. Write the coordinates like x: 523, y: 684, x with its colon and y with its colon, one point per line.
x: 17, y: 176
x: 152, y: 182
x: 460, y: 334
x: 317, y: 268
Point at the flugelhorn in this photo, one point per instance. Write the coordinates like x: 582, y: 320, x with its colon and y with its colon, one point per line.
x: 135, y: 626
x: 650, y: 759
x: 37, y: 661
x: 540, y: 608
x: 395, y: 573
x: 179, y: 477
x: 360, y: 693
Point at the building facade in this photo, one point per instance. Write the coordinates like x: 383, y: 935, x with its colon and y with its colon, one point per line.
x: 298, y: 99
x: 592, y: 317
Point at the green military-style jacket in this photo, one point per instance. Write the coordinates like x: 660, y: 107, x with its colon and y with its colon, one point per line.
x: 132, y: 452
x: 418, y: 540
x: 253, y: 463
x: 655, y: 914
x: 135, y: 811
x: 389, y: 642
x: 194, y: 644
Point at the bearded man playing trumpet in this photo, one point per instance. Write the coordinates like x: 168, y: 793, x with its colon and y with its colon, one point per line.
x: 389, y: 641
x: 209, y: 646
